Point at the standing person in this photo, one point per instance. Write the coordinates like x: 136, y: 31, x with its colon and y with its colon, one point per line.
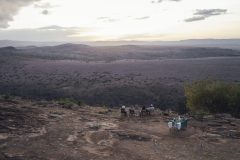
x: 143, y: 110
x: 123, y: 111
x: 131, y: 111
x: 150, y: 109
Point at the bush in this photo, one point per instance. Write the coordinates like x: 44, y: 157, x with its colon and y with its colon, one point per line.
x: 69, y: 102
x: 213, y: 97
x: 6, y: 97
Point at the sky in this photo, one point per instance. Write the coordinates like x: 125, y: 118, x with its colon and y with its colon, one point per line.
x: 114, y: 20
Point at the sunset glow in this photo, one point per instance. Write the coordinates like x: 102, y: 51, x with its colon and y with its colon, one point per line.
x: 90, y: 20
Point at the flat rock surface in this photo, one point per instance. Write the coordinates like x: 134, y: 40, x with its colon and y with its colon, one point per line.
x: 33, y: 130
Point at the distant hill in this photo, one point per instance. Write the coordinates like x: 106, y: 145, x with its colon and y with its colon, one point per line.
x: 113, y: 53
x: 221, y: 43
x: 8, y: 50
x: 5, y: 43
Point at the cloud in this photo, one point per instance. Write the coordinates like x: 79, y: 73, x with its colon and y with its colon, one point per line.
x: 160, y: 1
x: 9, y: 8
x: 196, y: 18
x: 110, y: 19
x: 47, y: 33
x: 107, y: 19
x: 45, y: 6
x: 100, y: 18
x: 45, y: 12
x: 142, y: 18
x: 142, y: 37
x: 53, y: 27
x: 202, y: 14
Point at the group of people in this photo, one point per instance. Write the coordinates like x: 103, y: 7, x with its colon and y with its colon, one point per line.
x: 179, y: 123
x: 131, y: 111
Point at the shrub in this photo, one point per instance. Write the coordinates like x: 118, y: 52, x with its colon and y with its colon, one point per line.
x: 213, y: 97
x: 6, y: 97
x: 69, y: 102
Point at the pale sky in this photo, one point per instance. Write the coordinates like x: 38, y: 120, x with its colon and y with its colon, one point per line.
x: 94, y: 20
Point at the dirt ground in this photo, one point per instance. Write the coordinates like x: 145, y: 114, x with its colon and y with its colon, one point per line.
x: 39, y: 130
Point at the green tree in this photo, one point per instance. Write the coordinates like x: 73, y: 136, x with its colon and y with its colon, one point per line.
x: 213, y: 97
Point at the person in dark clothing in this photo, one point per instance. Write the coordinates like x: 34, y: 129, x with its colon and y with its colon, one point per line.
x: 123, y: 111
x: 131, y: 111
x: 143, y: 110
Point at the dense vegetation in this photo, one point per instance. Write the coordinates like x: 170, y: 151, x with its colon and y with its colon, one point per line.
x: 128, y: 75
x: 213, y: 97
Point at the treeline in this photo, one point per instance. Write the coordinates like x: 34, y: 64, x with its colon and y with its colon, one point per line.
x: 213, y: 97
x: 162, y: 96
x: 198, y: 97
